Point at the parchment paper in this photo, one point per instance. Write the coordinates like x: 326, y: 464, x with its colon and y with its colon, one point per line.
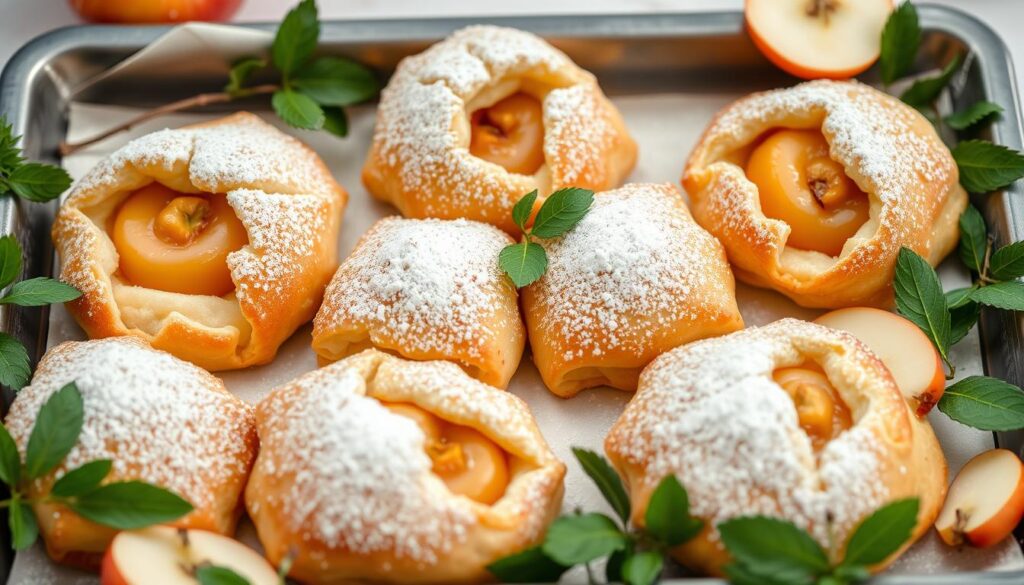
x: 666, y: 126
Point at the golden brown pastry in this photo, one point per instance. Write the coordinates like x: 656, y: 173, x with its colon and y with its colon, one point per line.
x: 213, y: 242
x: 159, y: 419
x: 635, y: 278
x: 381, y: 469
x: 791, y: 420
x: 813, y: 190
x: 426, y: 289
x: 476, y: 121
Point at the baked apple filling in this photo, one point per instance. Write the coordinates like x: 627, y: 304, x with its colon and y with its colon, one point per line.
x: 510, y: 133
x: 800, y: 184
x: 468, y: 462
x: 821, y: 412
x: 177, y: 242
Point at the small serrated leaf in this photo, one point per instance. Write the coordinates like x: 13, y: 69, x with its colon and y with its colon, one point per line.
x: 642, y: 568
x: 1007, y: 262
x: 607, y: 481
x: 973, y: 238
x: 900, y: 40
x: 14, y: 366
x: 961, y: 320
x: 241, y: 71
x: 925, y: 91
x: 38, y: 182
x: 919, y: 297
x: 574, y: 540
x: 528, y: 566
x: 129, y: 505
x: 297, y: 110
x: 523, y: 209
x: 10, y: 459
x: 562, y: 210
x: 771, y: 546
x: 55, y: 432
x: 984, y: 403
x: 524, y: 262
x: 882, y: 533
x: 335, y: 121
x: 82, y: 479
x: 668, y: 514
x: 333, y: 81
x: 986, y: 167
x: 1007, y: 295
x: 296, y: 37
x: 973, y: 114
x: 37, y: 292
x: 22, y: 522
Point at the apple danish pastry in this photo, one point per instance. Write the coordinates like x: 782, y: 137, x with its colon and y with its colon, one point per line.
x: 467, y: 127
x: 791, y: 420
x: 813, y: 190
x: 380, y: 469
x: 213, y: 242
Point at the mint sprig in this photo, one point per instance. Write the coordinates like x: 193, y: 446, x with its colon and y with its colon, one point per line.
x: 123, y: 505
x: 29, y: 180
x: 635, y: 556
x: 901, y: 38
x: 773, y: 551
x: 527, y: 261
x: 986, y: 167
x: 972, y: 115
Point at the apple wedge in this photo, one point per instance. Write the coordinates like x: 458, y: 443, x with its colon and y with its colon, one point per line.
x: 914, y: 362
x: 813, y: 39
x: 985, y: 502
x: 161, y: 555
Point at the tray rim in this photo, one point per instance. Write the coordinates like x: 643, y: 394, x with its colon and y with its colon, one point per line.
x: 998, y: 78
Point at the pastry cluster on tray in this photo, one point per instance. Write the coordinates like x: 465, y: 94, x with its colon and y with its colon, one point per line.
x: 403, y: 458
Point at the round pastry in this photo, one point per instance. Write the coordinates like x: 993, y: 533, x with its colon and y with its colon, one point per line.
x: 635, y: 278
x: 380, y: 469
x: 476, y: 121
x: 159, y: 419
x: 213, y: 242
x: 791, y: 420
x: 813, y: 190
x: 426, y: 289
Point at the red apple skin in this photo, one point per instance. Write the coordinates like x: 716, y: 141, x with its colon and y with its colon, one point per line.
x: 109, y: 575
x: 154, y: 11
x: 933, y: 393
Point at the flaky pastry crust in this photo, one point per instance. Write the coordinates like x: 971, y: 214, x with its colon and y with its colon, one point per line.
x: 159, y: 419
x: 420, y: 161
x: 634, y: 279
x: 345, y: 485
x: 710, y: 413
x: 284, y: 196
x: 888, y: 149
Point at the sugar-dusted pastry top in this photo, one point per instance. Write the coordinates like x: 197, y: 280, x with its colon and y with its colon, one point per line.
x: 636, y: 252
x: 159, y: 419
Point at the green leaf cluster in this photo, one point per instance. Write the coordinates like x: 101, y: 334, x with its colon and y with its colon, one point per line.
x: 634, y: 556
x: 527, y: 261
x: 312, y: 92
x: 124, y: 505
x: 776, y: 552
x: 29, y: 180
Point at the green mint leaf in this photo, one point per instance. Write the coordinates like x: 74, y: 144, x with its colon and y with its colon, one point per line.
x: 333, y: 81
x: 82, y: 479
x: 961, y: 320
x: 882, y: 533
x: 972, y: 115
x: 849, y: 574
x: 528, y: 566
x: 775, y: 547
x: 128, y: 505
x: 562, y: 210
x: 240, y: 73
x: 900, y: 39
x: 36, y: 292
x: 919, y: 298
x: 925, y: 91
x: 1007, y: 262
x: 959, y: 297
x: 10, y: 154
x: 296, y: 38
x: 642, y: 568
x: 668, y: 513
x: 38, y: 182
x: 973, y: 238
x: 613, y: 567
x: 574, y: 540
x: 22, y: 522
x: 335, y: 121
x: 55, y: 432
x: 297, y: 110
x: 984, y: 403
x: 523, y: 209
x: 215, y: 575
x: 740, y: 574
x: 1007, y: 295
x: 10, y: 260
x: 607, y: 481
x: 10, y: 459
x: 14, y: 367
x: 524, y: 262
x: 987, y: 167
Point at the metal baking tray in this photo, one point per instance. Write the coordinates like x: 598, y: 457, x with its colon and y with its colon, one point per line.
x: 630, y: 54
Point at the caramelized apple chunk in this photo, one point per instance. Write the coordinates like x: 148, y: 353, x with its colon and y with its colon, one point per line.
x: 510, y: 133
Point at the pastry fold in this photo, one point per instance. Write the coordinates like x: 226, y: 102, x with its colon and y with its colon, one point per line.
x: 158, y: 419
x: 426, y: 289
x: 344, y: 484
x: 635, y: 278
x: 887, y: 148
x: 711, y: 414
x: 282, y: 193
x: 420, y: 161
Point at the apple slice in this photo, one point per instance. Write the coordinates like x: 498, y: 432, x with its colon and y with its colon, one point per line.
x: 903, y: 348
x: 140, y: 11
x: 985, y: 502
x: 812, y: 39
x: 161, y: 555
